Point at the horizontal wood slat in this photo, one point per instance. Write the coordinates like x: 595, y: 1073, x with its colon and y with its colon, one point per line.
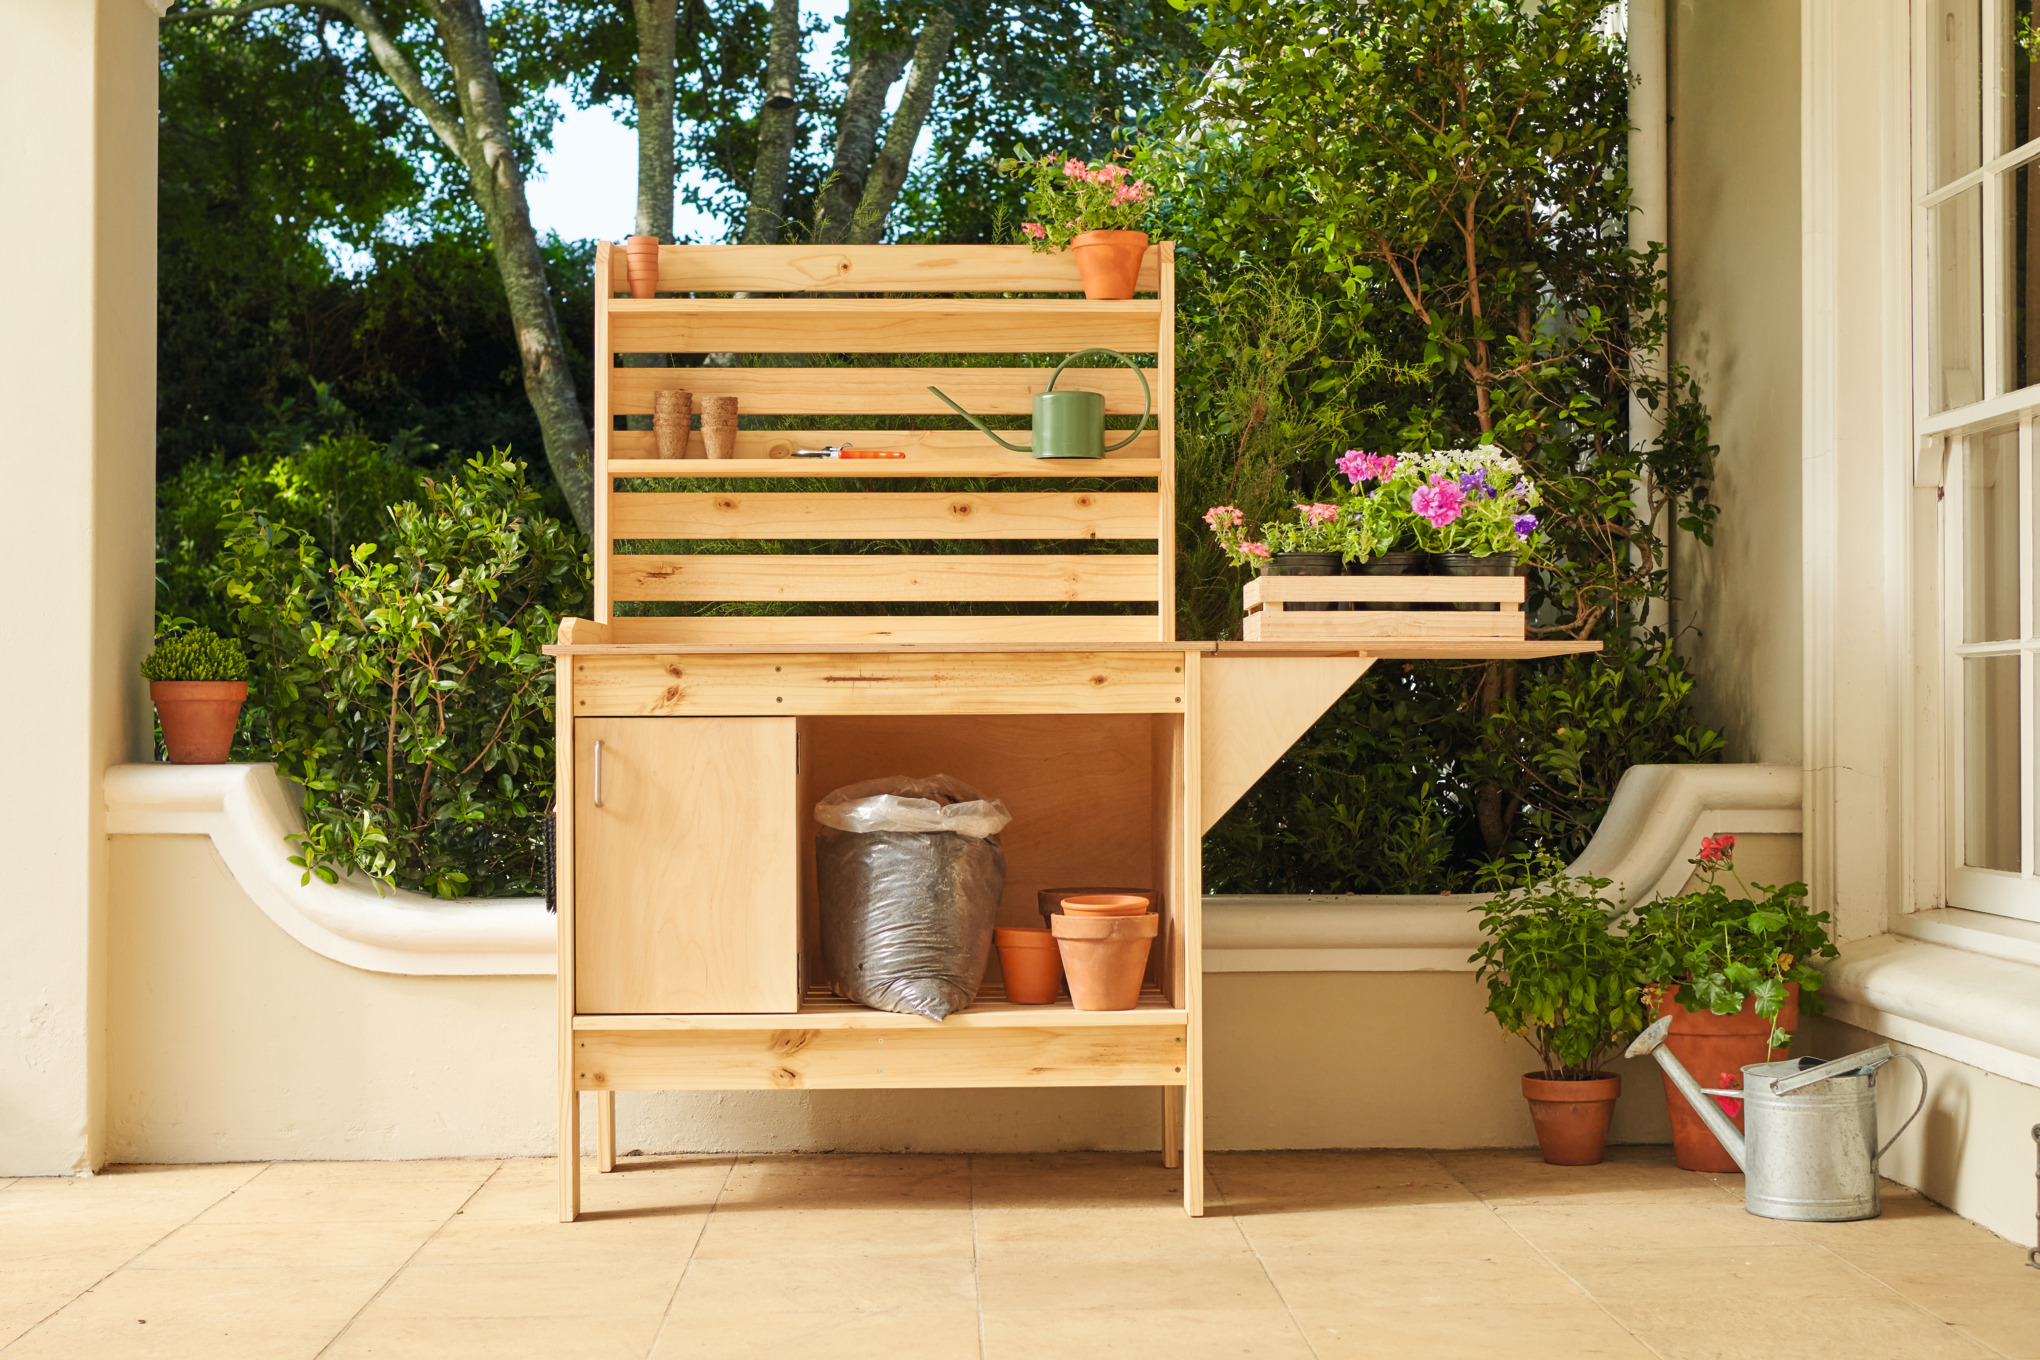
x: 868, y: 269
x: 881, y: 325
x: 1063, y: 630
x: 914, y: 465
x: 880, y: 515
x: 743, y: 576
x: 1282, y: 625
x: 876, y: 391
x: 1391, y: 589
x: 957, y: 445
x: 895, y: 683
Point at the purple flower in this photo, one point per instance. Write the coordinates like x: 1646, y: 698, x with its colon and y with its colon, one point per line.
x: 1439, y: 502
x: 1526, y: 525
x: 1476, y: 480
x: 1521, y: 488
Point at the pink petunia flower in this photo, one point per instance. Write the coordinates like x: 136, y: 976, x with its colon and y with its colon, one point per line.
x: 1319, y: 513
x: 1366, y: 467
x: 1256, y: 550
x: 1223, y: 516
x: 1440, y: 501
x: 1035, y: 229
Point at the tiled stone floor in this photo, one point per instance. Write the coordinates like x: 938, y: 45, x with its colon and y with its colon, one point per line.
x: 1368, y: 1254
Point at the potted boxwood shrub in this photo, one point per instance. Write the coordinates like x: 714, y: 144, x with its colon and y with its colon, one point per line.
x: 198, y: 681
x: 1474, y: 511
x: 1092, y: 210
x: 1734, y: 973
x: 1317, y: 544
x: 1561, y: 972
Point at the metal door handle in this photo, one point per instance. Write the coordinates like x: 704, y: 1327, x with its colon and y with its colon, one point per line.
x: 598, y: 774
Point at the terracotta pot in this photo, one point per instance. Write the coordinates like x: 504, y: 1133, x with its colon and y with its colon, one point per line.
x: 1032, y: 963
x: 1715, y: 1049
x: 1105, y: 958
x: 1050, y: 900
x: 641, y: 253
x: 1109, y: 261
x: 1105, y: 904
x: 1572, y: 1116
x: 672, y: 421
x: 198, y: 718
x: 719, y: 426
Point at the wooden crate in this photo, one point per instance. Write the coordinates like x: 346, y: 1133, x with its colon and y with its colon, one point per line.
x: 822, y: 301
x: 1268, y: 621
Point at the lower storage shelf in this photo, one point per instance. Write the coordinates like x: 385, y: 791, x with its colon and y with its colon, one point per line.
x: 834, y: 1044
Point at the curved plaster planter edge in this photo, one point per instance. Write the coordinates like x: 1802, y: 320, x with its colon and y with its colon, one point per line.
x: 248, y: 812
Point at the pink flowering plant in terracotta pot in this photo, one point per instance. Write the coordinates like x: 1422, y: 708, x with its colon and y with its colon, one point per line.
x: 1070, y: 197
x: 1473, y: 501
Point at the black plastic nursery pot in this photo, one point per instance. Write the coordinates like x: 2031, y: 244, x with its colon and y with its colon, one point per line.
x: 1305, y: 564
x: 1392, y: 564
x: 1473, y: 564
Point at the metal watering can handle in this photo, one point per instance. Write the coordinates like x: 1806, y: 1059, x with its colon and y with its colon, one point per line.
x: 1833, y: 1067
x: 1147, y: 398
x: 1918, y: 1105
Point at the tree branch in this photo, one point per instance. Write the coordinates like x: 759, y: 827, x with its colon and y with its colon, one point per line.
x: 889, y: 172
x: 777, y: 123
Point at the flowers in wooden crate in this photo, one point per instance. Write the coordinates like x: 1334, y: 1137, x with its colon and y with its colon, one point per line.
x: 1477, y: 501
x: 1319, y: 526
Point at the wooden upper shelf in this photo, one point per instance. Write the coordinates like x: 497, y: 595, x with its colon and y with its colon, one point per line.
x: 807, y: 325
x: 871, y: 269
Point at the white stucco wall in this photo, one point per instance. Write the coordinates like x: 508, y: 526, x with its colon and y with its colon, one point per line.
x: 1734, y: 77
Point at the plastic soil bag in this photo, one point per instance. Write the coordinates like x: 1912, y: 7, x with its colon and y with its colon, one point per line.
x: 909, y: 873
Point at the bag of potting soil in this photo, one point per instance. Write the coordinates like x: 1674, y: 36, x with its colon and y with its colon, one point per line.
x: 909, y: 874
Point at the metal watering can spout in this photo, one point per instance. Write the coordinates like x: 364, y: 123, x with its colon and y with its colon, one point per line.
x: 1652, y: 1041
x: 1067, y: 424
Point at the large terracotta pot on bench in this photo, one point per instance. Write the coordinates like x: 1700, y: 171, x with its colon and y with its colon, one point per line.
x: 198, y: 718
x: 1715, y: 1049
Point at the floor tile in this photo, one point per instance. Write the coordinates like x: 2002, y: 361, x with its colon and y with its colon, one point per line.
x: 1985, y: 1289
x: 1632, y: 1174
x: 387, y: 1336
x: 535, y: 1240
x: 1121, y: 1232
x: 291, y: 1193
x: 567, y: 1287
x: 1143, y: 1334
x: 841, y: 1284
x: 278, y: 1336
x: 743, y: 1231
x: 1183, y: 1284
x: 1301, y: 1229
x: 1698, y: 1226
x: 951, y: 1335
x: 268, y: 1244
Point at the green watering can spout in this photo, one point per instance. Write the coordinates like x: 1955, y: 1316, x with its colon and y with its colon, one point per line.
x: 1068, y: 424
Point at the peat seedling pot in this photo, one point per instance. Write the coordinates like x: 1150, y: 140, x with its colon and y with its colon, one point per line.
x: 1109, y: 262
x: 1715, y: 1049
x: 1104, y: 958
x: 1032, y: 963
x: 198, y: 718
x: 1388, y: 564
x: 1305, y: 564
x: 641, y: 254
x: 1473, y: 564
x: 1572, y: 1116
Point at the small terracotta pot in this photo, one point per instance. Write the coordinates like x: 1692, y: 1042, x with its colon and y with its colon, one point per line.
x: 641, y: 253
x: 1105, y: 904
x: 1105, y: 958
x: 1032, y: 964
x: 672, y: 421
x: 1050, y: 900
x: 198, y: 718
x: 1715, y: 1049
x: 719, y: 426
x: 1109, y: 261
x: 1572, y: 1116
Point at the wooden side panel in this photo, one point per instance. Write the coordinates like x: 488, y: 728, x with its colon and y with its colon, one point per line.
x: 865, y: 577
x: 930, y: 453
x: 568, y: 1148
x: 688, y: 891
x: 930, y: 1056
x: 875, y: 515
x: 1064, y: 630
x: 1165, y: 412
x: 1263, y: 590
x: 877, y: 391
x: 870, y: 269
x: 1253, y: 709
x: 604, y: 379
x: 1384, y: 625
x: 847, y: 684
x: 878, y: 325
x: 1187, y: 873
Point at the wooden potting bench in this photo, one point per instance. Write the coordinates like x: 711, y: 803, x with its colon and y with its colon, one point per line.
x: 692, y: 750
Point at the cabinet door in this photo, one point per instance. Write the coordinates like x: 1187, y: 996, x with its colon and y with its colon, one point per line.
x: 687, y: 866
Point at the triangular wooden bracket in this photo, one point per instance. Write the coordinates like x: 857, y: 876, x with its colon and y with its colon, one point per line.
x: 1254, y: 708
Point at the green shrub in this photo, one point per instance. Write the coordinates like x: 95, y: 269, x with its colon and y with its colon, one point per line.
x: 198, y: 654
x: 404, y: 687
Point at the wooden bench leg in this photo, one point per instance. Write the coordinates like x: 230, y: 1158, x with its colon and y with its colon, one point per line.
x: 1172, y: 1126
x: 570, y: 1154
x: 605, y: 1131
x: 1193, y: 1126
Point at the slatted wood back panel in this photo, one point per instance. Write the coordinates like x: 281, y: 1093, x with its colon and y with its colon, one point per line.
x: 819, y: 302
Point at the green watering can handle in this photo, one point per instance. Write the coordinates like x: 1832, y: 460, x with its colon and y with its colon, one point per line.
x: 1147, y: 398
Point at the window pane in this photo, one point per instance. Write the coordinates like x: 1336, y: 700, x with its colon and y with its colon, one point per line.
x: 2021, y: 320
x: 1956, y: 93
x: 1990, y: 539
x: 1990, y: 762
x: 2016, y: 123
x: 1955, y: 334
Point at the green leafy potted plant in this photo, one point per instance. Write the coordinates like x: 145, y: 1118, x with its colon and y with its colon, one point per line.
x: 1384, y: 528
x: 1474, y: 511
x: 1734, y: 973
x: 1094, y: 210
x: 1317, y: 543
x: 198, y: 681
x: 1561, y: 972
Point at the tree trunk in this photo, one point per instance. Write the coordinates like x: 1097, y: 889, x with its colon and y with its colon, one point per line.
x: 882, y: 190
x: 778, y: 120
x: 652, y: 89
x: 489, y: 152
x: 872, y: 75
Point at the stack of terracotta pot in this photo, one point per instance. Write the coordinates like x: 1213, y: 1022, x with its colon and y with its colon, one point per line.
x: 1098, y: 942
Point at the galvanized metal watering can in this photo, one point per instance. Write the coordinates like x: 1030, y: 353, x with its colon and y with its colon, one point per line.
x: 1069, y: 424
x: 1811, y: 1152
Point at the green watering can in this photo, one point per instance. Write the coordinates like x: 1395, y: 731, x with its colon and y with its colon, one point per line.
x: 1070, y: 424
